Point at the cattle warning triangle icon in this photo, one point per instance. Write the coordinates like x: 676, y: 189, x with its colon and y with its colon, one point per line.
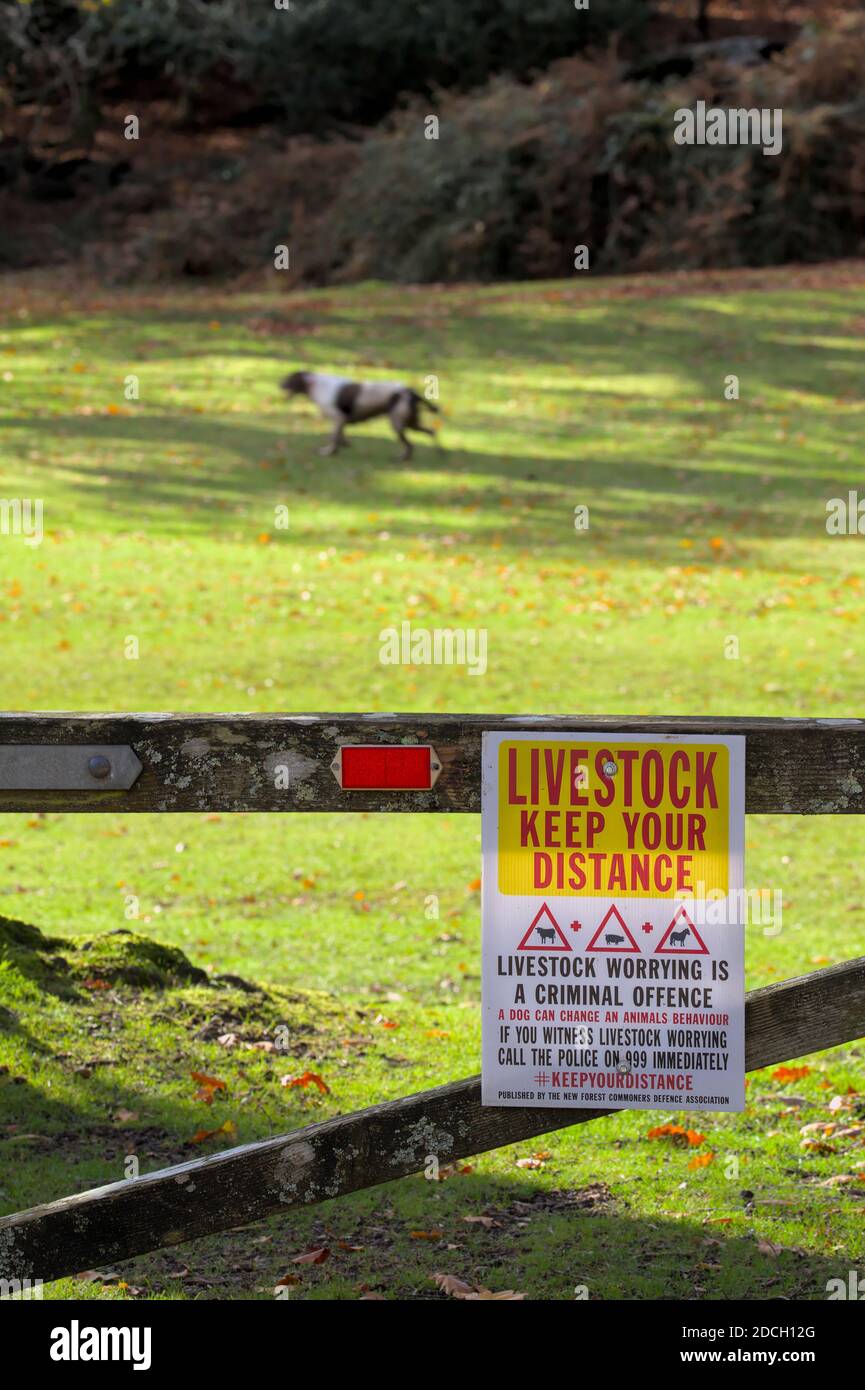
x: 544, y: 933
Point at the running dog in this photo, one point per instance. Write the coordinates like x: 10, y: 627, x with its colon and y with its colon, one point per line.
x: 347, y: 402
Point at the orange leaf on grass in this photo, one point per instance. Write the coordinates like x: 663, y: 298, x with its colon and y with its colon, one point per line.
x: 474, y: 885
x: 210, y: 1083
x: 97, y: 984
x: 202, y: 1134
x: 678, y: 1134
x: 426, y: 1235
x: 664, y: 1131
x: 309, y: 1078
x: 452, y: 1170
x: 790, y: 1073
x: 701, y: 1160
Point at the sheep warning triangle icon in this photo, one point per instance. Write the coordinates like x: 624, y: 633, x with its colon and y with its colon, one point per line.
x: 545, y: 934
x: 679, y: 935
x: 614, y: 934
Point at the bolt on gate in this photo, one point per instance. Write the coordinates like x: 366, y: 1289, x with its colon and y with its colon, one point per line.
x: 368, y: 762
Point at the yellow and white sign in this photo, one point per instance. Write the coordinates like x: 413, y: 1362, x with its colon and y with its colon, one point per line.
x: 613, y: 931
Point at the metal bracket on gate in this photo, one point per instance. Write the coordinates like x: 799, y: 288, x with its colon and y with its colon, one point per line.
x: 53, y: 767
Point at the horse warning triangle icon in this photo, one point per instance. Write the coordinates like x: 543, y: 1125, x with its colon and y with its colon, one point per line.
x: 686, y: 940
x: 545, y: 933
x: 615, y: 934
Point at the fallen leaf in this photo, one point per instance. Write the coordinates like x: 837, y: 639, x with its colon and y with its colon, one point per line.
x: 784, y: 1074
x: 448, y: 1283
x: 473, y: 1293
x: 482, y: 1295
x: 210, y: 1083
x: 768, y: 1247
x: 817, y: 1146
x: 203, y: 1134
x: 309, y: 1078
x: 312, y: 1257
x: 701, y: 1160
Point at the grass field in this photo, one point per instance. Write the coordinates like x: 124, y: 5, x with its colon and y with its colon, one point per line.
x: 707, y: 524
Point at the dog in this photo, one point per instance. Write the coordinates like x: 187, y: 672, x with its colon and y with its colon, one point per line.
x: 347, y: 402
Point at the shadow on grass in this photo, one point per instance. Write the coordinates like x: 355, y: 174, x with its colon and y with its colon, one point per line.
x: 561, y: 1243
x: 745, y: 492
x: 645, y: 466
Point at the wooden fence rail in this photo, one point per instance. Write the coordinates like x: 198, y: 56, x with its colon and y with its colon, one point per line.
x: 373, y: 1146
x: 226, y: 762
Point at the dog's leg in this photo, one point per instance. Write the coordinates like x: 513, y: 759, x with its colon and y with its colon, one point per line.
x: 407, y: 446
x: 414, y: 420
x: 400, y: 416
x: 336, y: 440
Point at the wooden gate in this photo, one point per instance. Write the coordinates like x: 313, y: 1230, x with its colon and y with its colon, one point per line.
x: 129, y: 763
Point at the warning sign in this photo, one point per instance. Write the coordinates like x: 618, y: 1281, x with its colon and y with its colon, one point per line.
x: 613, y: 931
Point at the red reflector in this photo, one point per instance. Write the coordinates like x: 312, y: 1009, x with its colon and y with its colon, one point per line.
x: 385, y: 767
x: 377, y: 767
